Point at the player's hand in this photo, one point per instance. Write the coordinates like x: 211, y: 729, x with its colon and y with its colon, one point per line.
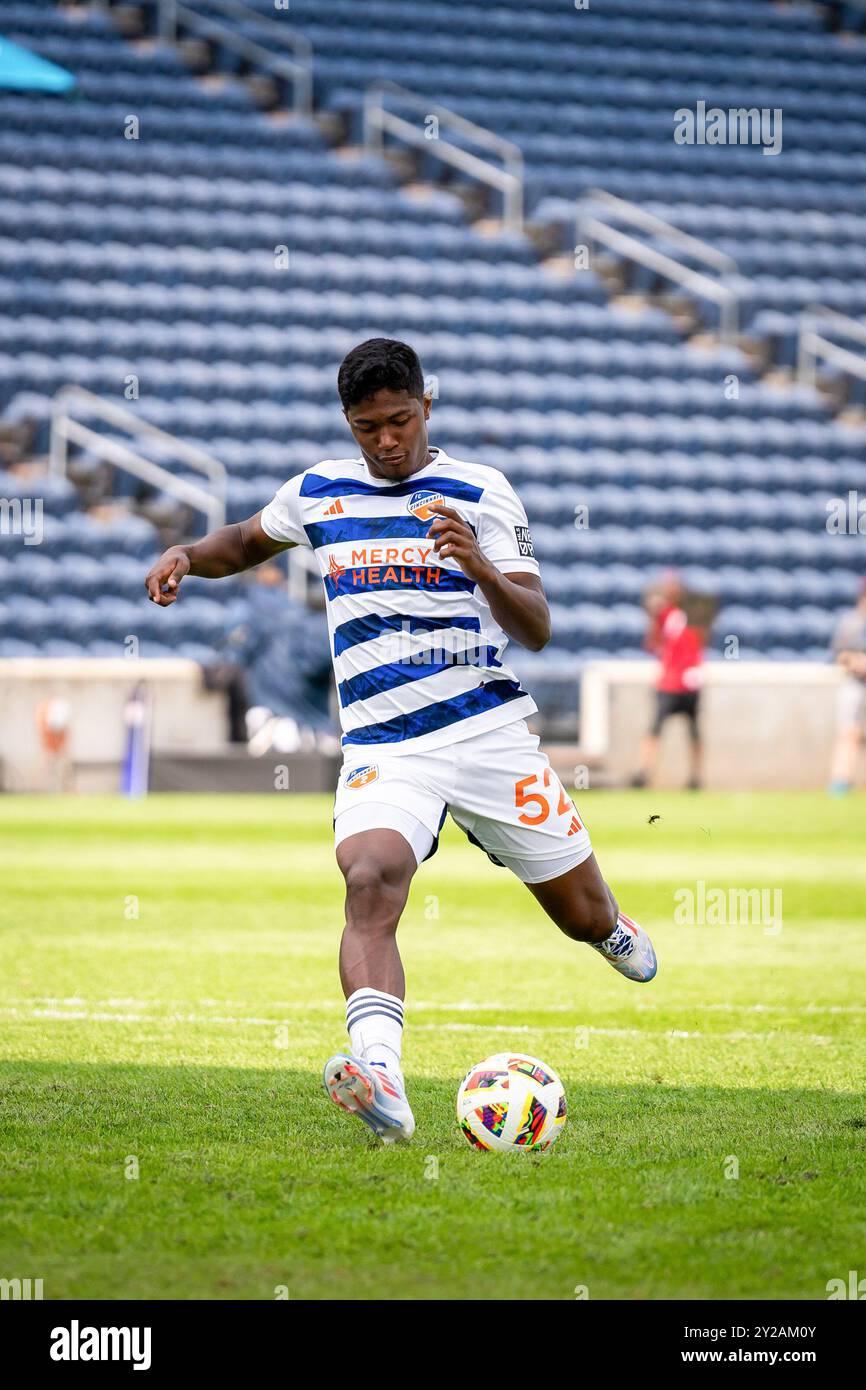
x: 167, y: 573
x: 455, y: 540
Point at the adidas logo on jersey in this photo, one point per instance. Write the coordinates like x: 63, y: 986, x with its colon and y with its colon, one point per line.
x: 336, y: 508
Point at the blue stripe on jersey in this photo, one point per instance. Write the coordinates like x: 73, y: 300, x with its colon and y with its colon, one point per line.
x: 437, y: 716
x: 366, y: 528
x: 356, y: 630
x: 356, y: 579
x: 393, y: 673
x: 315, y: 485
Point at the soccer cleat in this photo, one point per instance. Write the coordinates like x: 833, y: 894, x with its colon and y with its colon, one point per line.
x: 372, y: 1094
x: 629, y: 950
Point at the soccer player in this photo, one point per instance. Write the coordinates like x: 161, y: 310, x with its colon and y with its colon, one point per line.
x: 428, y: 569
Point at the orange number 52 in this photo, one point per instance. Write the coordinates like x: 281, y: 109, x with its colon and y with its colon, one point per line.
x: 523, y: 797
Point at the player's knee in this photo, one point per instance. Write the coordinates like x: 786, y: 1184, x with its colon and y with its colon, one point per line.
x: 592, y: 914
x: 375, y: 894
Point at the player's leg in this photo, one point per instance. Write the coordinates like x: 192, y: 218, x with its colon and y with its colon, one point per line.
x: 649, y: 749
x: 377, y: 866
x: 512, y: 804
x: 578, y: 901
x: 849, y: 725
x: 696, y: 751
x: 583, y: 907
x: 380, y: 843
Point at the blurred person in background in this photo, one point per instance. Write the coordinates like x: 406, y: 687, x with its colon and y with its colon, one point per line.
x: 849, y: 651
x: 276, y: 664
x: 678, y: 642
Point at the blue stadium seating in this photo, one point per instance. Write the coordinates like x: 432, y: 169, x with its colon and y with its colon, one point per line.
x: 156, y: 257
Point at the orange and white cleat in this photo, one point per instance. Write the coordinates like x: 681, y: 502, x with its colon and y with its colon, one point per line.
x: 370, y: 1092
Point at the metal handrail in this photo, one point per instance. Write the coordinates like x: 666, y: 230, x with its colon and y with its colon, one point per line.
x: 650, y: 222
x: 298, y: 69
x: 64, y: 428
x: 508, y: 180
x: 811, y: 344
x: 589, y: 225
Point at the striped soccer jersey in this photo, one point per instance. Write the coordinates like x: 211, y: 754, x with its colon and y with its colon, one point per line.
x: 417, y: 653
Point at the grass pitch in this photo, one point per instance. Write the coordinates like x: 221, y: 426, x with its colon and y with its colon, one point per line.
x: 169, y: 993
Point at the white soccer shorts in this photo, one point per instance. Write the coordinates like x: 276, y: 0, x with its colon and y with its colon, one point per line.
x: 498, y: 786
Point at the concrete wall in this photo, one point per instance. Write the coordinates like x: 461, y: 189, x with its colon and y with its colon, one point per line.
x: 185, y: 717
x: 763, y: 724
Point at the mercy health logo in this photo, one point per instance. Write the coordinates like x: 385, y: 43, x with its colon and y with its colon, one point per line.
x: 362, y: 776
x: 76, y: 1343
x: 388, y: 555
x: 738, y: 125
x: 368, y: 566
x: 420, y: 504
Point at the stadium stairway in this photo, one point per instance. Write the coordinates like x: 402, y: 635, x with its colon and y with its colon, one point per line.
x: 227, y: 258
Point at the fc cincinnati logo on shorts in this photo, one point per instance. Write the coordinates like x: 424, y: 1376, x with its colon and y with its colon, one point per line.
x: 420, y: 502
x: 361, y: 776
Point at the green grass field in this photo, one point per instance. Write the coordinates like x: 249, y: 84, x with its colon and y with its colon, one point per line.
x: 170, y: 992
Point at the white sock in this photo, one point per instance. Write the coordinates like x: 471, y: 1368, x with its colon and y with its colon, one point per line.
x: 375, y: 1023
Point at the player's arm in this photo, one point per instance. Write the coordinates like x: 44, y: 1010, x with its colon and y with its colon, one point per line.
x: 519, y: 605
x: 517, y: 601
x: 654, y: 605
x: 229, y: 550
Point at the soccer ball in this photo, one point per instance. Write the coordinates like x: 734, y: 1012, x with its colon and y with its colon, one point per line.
x: 511, y: 1101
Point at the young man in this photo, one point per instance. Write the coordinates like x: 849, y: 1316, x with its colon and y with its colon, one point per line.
x: 428, y: 569
x: 679, y: 646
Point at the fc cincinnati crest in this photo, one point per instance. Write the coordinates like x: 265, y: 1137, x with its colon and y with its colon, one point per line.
x: 420, y: 502
x: 361, y: 776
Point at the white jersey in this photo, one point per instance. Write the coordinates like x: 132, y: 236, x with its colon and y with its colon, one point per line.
x: 417, y: 653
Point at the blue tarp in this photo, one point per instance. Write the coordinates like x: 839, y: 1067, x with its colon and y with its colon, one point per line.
x: 25, y: 72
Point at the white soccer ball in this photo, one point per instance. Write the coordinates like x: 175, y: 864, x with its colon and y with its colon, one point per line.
x: 511, y: 1101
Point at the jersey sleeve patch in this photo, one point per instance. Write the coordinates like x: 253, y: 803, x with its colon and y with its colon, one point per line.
x: 524, y: 541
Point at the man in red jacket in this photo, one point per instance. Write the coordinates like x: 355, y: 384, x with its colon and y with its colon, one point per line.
x: 679, y: 646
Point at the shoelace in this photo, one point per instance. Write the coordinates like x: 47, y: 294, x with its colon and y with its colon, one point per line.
x: 620, y: 943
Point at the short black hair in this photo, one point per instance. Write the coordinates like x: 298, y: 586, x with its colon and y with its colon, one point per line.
x: 376, y: 365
